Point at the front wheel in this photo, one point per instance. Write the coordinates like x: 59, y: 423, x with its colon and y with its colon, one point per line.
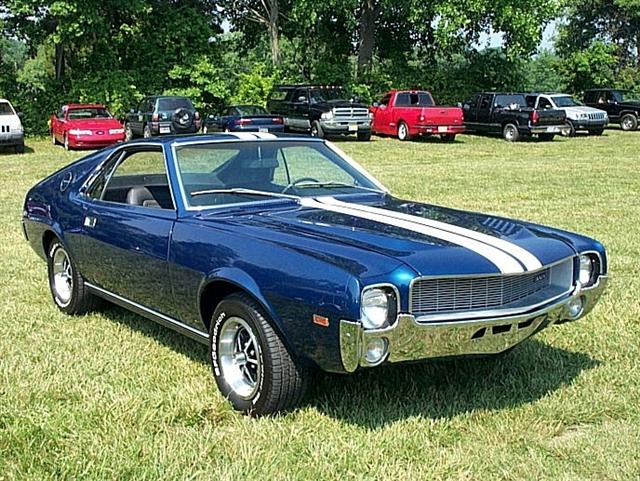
x: 364, y: 136
x: 629, y: 122
x: 66, y: 144
x: 250, y: 363
x: 65, y: 282
x: 569, y: 130
x: 128, y: 133
x: 316, y: 130
x: 546, y: 137
x: 510, y: 133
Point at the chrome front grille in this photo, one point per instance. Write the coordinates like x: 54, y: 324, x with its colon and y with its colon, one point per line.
x: 596, y: 116
x: 351, y: 113
x: 438, y: 296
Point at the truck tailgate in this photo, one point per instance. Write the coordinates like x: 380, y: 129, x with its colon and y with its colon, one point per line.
x: 441, y: 116
x: 551, y: 117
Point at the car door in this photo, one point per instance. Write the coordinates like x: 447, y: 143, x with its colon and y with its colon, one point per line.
x: 129, y: 216
x: 484, y: 116
x: 137, y: 119
x: 300, y: 106
x: 612, y: 105
x: 382, y: 116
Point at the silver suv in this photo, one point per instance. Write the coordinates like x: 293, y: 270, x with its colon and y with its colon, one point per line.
x: 579, y: 116
x: 11, y: 131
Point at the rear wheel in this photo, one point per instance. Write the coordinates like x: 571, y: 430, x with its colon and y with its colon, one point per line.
x: 54, y: 141
x: 403, y: 132
x: 448, y: 137
x: 316, y: 130
x: 546, y: 137
x: 146, y: 132
x: 65, y: 282
x: 510, y: 133
x: 128, y: 133
x: 364, y: 136
x: 629, y: 122
x: 251, y: 365
x: 66, y: 142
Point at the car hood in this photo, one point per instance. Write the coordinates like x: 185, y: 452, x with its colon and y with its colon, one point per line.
x: 13, y: 121
x: 634, y: 104
x: 581, y: 110
x: 431, y: 240
x: 94, y: 124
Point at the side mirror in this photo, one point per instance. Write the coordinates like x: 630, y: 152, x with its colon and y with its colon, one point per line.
x: 459, y: 105
x: 302, y: 99
x: 132, y: 111
x: 20, y: 114
x: 612, y: 102
x: 211, y: 116
x: 376, y: 104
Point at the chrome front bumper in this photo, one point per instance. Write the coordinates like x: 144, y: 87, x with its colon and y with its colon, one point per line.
x: 408, y: 340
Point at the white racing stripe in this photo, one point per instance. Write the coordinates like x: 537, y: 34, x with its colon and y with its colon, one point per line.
x: 502, y: 260
x: 530, y: 261
x: 243, y: 135
x: 265, y: 135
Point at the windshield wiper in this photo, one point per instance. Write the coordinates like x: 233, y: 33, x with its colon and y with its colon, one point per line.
x: 332, y: 183
x: 240, y: 191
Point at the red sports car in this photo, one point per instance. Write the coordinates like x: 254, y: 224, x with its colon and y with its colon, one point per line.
x: 88, y: 126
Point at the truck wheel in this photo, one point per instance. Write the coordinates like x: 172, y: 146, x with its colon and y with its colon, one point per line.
x: 53, y: 139
x: 316, y: 130
x: 364, y: 136
x: 510, y: 132
x: 146, y: 132
x: 66, y: 142
x: 569, y: 130
x: 251, y: 365
x: 596, y: 132
x: 19, y: 148
x: 403, y: 131
x: 629, y: 122
x: 546, y: 137
x: 448, y: 137
x: 128, y: 133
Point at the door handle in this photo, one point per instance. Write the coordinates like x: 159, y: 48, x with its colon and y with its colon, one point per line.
x: 90, y: 221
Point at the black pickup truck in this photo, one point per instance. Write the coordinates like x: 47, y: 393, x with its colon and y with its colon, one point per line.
x: 509, y: 115
x: 320, y: 110
x: 621, y: 106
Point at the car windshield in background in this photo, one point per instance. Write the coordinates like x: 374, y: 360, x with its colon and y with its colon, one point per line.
x: 510, y: 101
x: 174, y: 104
x: 566, y: 101
x: 248, y: 110
x: 220, y: 173
x: 5, y: 109
x: 326, y: 95
x: 88, y: 113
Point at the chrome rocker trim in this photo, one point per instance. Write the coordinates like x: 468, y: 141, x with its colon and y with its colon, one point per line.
x: 409, y: 340
x: 156, y: 316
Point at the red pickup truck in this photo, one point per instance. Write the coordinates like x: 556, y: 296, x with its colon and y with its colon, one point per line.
x: 406, y: 113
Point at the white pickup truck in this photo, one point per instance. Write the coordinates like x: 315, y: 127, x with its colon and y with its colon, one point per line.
x: 11, y: 131
x: 579, y: 116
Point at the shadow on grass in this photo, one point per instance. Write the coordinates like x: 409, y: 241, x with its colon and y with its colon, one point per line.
x: 373, y: 398
x: 4, y: 150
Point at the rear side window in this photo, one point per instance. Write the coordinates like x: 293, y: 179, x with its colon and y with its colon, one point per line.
x: 531, y: 101
x: 279, y: 94
x: 5, y: 109
x: 403, y: 100
x: 590, y: 97
x: 504, y: 101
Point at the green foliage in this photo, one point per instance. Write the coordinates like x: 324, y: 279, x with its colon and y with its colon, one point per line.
x: 594, y: 66
x: 255, y: 86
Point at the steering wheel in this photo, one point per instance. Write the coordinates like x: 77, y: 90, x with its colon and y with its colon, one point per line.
x: 299, y: 181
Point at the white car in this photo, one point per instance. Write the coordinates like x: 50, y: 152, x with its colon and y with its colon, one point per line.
x: 11, y: 131
x: 579, y: 116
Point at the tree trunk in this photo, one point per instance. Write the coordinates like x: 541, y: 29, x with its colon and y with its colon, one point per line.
x: 367, y: 30
x: 59, y: 61
x: 274, y: 35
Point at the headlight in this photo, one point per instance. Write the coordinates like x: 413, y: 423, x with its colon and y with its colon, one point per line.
x: 378, y: 306
x: 18, y: 129
x: 80, y: 132
x: 584, y: 116
x: 370, y: 115
x: 327, y: 115
x: 589, y: 269
x: 116, y: 131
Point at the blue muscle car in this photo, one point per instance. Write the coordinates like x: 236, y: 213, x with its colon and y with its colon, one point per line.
x: 285, y: 256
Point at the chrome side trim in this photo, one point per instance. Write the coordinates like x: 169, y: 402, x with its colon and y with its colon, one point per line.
x: 156, y: 316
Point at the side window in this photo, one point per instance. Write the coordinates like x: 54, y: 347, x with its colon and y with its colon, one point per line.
x: 531, y: 101
x: 138, y: 178
x: 544, y: 104
x: 301, y: 162
x: 485, y: 102
x: 385, y: 100
x: 299, y: 94
x: 589, y: 97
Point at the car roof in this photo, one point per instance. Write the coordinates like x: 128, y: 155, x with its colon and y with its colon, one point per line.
x: 83, y: 106
x: 222, y: 137
x: 5, y: 100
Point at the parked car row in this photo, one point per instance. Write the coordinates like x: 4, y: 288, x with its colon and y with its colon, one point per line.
x: 326, y: 110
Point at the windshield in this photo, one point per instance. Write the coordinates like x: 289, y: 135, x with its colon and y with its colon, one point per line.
x: 566, y: 101
x: 220, y: 173
x: 174, y: 104
x: 5, y: 109
x: 248, y: 110
x: 89, y: 113
x: 326, y: 95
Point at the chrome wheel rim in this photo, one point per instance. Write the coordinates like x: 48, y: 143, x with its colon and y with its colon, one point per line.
x: 314, y: 131
x: 62, y: 277
x: 627, y: 123
x: 147, y: 133
x: 509, y: 133
x: 66, y: 142
x: 239, y: 357
x: 128, y: 135
x: 402, y: 132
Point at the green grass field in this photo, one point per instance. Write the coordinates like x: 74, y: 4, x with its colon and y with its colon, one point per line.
x: 112, y: 396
